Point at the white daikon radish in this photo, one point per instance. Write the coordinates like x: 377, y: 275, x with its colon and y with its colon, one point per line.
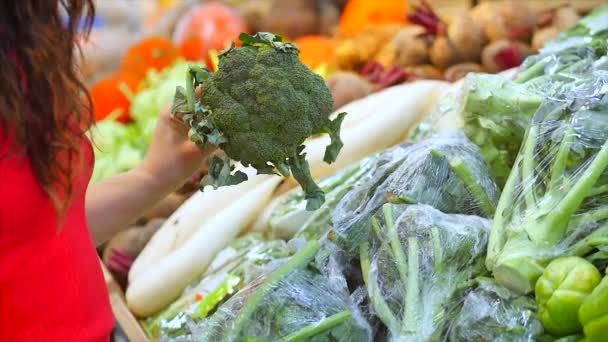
x: 261, y: 224
x: 402, y: 107
x: 162, y: 283
x: 180, y: 226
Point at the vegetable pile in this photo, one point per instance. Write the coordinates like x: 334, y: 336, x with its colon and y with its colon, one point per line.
x: 493, y: 230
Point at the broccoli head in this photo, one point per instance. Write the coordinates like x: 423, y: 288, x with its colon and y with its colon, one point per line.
x: 259, y: 108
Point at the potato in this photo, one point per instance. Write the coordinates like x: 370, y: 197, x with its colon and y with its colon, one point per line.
x: 458, y: 71
x: 347, y: 87
x: 406, y: 48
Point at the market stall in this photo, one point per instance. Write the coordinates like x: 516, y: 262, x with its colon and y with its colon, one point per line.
x: 411, y: 171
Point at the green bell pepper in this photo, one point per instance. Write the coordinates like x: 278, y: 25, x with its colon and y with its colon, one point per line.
x: 593, y: 313
x: 560, y: 291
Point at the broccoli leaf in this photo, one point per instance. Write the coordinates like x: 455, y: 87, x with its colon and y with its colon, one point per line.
x: 220, y: 173
x: 333, y: 129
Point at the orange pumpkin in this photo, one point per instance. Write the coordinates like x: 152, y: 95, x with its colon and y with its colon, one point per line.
x: 315, y: 50
x: 358, y: 15
x: 151, y: 53
x: 109, y: 96
x: 210, y: 26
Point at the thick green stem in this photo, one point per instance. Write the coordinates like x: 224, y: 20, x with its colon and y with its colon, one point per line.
x: 299, y: 260
x: 598, y: 190
x: 437, y: 249
x: 190, y: 91
x: 381, y: 307
x: 412, y: 295
x: 561, y: 158
x: 590, y: 217
x: 315, y: 329
x: 395, y: 242
x: 470, y: 182
x: 498, y: 234
x: 527, y: 167
x: 598, y: 237
x: 558, y: 220
x: 534, y: 71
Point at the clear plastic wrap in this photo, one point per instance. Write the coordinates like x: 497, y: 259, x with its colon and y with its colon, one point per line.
x: 416, y: 265
x: 554, y: 202
x: 491, y: 312
x: 245, y: 260
x: 306, y: 298
x: 446, y: 171
x: 290, y: 217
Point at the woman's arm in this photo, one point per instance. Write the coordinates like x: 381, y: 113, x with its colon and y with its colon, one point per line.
x: 117, y: 202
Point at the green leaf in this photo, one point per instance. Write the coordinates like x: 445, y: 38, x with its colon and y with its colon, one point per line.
x: 227, y: 50
x: 267, y: 39
x: 216, y: 138
x: 199, y: 74
x: 213, y: 299
x: 180, y: 102
x: 333, y: 129
x: 220, y: 173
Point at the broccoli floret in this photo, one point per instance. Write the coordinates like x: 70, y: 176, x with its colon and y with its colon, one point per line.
x: 260, y: 107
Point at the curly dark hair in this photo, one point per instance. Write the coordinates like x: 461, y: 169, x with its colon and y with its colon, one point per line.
x: 44, y: 105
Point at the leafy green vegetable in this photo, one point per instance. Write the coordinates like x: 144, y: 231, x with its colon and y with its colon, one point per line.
x: 445, y: 171
x: 260, y: 107
x: 304, y: 299
x: 554, y: 201
x: 491, y: 312
x: 416, y: 264
x: 561, y: 290
x: 593, y: 313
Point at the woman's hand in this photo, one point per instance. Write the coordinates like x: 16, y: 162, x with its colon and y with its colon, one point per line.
x: 172, y: 158
x: 117, y: 202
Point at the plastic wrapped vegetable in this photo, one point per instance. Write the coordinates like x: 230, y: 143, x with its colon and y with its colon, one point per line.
x: 561, y: 290
x: 491, y: 312
x: 416, y: 263
x: 236, y: 266
x: 305, y: 299
x: 496, y: 112
x: 593, y: 313
x: 553, y: 203
x: 445, y: 171
x: 290, y: 216
x: 259, y: 108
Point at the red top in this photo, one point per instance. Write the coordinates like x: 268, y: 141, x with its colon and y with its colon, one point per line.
x: 51, y: 283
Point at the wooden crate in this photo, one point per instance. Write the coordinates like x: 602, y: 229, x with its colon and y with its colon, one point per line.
x: 128, y: 323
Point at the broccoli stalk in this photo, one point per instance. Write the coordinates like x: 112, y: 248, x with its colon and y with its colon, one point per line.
x: 259, y: 108
x: 549, y: 205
